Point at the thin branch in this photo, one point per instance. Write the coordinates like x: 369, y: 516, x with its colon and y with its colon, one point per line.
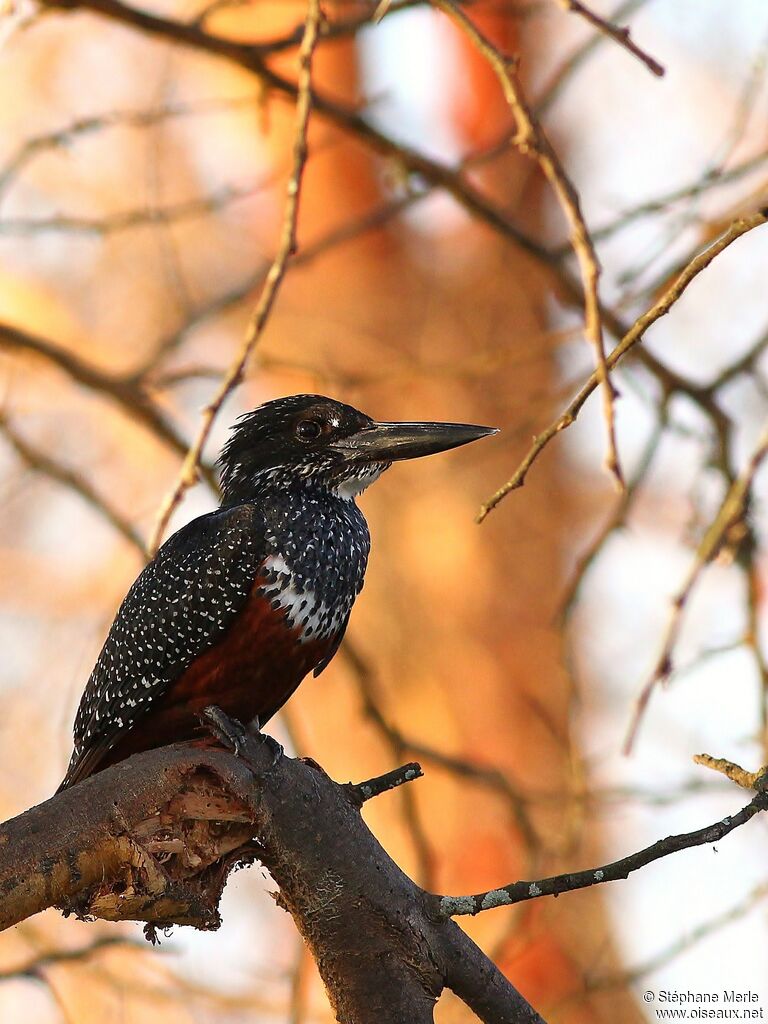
x: 730, y: 515
x: 453, y: 906
x: 615, y: 521
x: 400, y: 743
x: 417, y: 165
x: 40, y: 462
x: 362, y: 791
x: 127, y: 392
x: 555, y: 85
x: 372, y: 221
x: 126, y: 220
x: 753, y: 642
x: 711, y: 179
x: 745, y: 364
x: 633, y: 336
x: 286, y: 248
x: 757, y: 781
x: 36, y: 968
x: 691, y: 938
x: 615, y: 32
x: 532, y: 141
x: 398, y: 746
x: 81, y: 127
x: 349, y: 120
x: 338, y: 29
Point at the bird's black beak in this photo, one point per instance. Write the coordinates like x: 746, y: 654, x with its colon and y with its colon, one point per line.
x: 389, y: 442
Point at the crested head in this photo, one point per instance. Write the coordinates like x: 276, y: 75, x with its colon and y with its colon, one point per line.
x: 295, y: 439
x: 313, y: 440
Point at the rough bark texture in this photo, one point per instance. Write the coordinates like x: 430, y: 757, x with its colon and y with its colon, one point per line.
x: 154, y: 838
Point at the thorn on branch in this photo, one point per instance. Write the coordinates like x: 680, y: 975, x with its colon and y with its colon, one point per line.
x: 362, y: 791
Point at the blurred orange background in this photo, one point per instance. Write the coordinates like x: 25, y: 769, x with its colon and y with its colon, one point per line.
x: 141, y: 192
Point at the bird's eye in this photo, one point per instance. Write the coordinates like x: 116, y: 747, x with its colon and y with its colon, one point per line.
x: 308, y: 430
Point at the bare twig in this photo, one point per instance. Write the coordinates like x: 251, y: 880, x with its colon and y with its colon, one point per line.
x: 453, y: 906
x: 286, y: 248
x: 754, y: 643
x: 712, y: 178
x: 362, y: 791
x: 634, y: 335
x: 398, y: 748
x: 419, y: 166
x: 619, y: 34
x: 531, y: 140
x: 555, y: 84
x: 127, y: 392
x: 40, y: 462
x: 747, y: 780
x: 681, y: 945
x: 126, y: 220
x: 614, y: 522
x: 378, y: 218
x: 36, y: 968
x: 399, y: 743
x: 80, y: 127
x: 730, y: 514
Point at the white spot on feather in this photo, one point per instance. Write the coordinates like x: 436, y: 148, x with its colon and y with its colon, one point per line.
x: 314, y: 618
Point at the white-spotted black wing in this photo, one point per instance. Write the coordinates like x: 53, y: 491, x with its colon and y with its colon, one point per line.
x: 183, y: 602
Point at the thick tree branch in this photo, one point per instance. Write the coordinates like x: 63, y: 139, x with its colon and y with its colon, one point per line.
x: 154, y: 838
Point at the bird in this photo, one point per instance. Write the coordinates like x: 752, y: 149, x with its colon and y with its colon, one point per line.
x: 239, y: 605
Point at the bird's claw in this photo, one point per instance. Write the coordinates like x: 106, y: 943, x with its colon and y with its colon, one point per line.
x: 254, y: 727
x: 228, y: 731
x: 276, y: 748
x: 233, y: 734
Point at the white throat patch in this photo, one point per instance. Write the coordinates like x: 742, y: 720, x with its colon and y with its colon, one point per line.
x: 355, y: 485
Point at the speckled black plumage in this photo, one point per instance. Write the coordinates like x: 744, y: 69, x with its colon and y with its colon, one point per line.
x: 186, y: 598
x: 240, y: 604
x: 309, y: 545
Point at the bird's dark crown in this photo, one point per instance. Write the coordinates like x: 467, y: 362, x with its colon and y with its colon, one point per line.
x: 290, y: 439
x: 312, y: 440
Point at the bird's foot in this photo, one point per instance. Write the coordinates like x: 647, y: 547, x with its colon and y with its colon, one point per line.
x: 232, y: 734
x: 254, y: 728
x: 228, y: 731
